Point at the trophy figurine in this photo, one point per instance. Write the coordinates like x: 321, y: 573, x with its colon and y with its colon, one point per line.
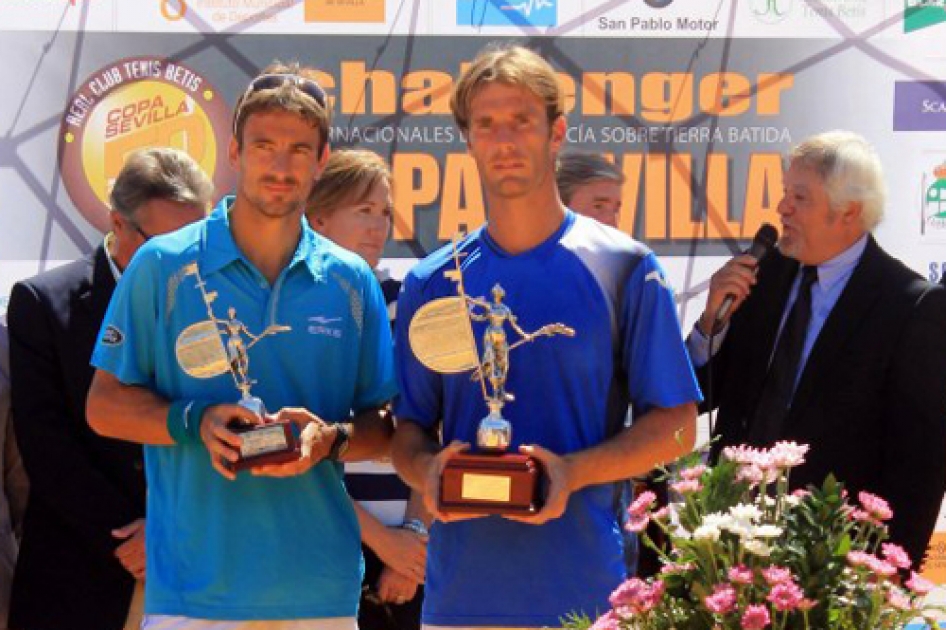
x: 489, y: 480
x: 214, y: 346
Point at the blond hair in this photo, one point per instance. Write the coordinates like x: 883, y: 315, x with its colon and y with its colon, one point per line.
x: 348, y: 178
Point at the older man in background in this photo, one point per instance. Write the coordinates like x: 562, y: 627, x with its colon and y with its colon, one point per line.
x: 83, y: 536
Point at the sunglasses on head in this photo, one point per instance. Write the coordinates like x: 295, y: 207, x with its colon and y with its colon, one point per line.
x: 274, y: 81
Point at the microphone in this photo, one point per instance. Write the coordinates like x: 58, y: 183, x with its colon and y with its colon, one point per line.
x: 762, y: 244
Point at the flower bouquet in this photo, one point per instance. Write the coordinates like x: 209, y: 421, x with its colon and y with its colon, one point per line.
x: 745, y: 553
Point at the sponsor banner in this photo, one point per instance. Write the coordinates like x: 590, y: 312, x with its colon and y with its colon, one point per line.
x: 58, y: 15
x: 208, y: 16
x: 920, y: 14
x: 700, y: 147
x: 801, y: 18
x: 345, y: 11
x: 133, y: 103
x: 698, y: 131
x: 272, y: 16
x: 919, y: 106
x: 932, y: 198
x: 518, y: 13
x: 658, y: 18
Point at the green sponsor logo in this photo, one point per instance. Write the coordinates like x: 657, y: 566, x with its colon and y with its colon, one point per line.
x: 919, y: 14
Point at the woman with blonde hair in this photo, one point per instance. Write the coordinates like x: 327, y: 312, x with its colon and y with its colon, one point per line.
x: 351, y: 204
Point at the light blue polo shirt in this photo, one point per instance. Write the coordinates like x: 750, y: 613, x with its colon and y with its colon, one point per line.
x: 256, y: 547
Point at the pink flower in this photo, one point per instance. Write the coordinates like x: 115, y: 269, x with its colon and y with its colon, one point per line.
x: 919, y: 584
x: 881, y: 567
x: 801, y: 493
x: 672, y: 567
x: 755, y: 473
x: 896, y: 555
x: 756, y: 617
x: 607, y: 621
x: 722, y: 601
x: 686, y: 486
x: 642, y: 503
x: 656, y: 593
x: 873, y: 563
x: 692, y: 473
x: 898, y: 599
x: 875, y: 506
x: 740, y: 574
x: 807, y: 604
x: 628, y: 592
x: 858, y: 558
x: 776, y: 575
x: 788, y: 454
x: 637, y: 523
x: 752, y: 474
x: 740, y: 454
x: 786, y: 596
x: 637, y: 596
x: 864, y: 517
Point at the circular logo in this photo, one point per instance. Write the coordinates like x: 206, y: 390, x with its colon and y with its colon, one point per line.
x: 133, y: 104
x: 658, y: 4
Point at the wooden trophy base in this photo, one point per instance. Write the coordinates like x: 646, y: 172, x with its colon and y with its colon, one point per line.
x: 270, y: 443
x: 501, y: 483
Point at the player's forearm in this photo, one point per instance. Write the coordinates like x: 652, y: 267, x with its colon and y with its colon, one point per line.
x: 659, y: 436
x: 372, y: 530
x: 127, y: 412
x: 411, y: 451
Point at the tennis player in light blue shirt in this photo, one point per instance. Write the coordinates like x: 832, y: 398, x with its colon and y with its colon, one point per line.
x: 299, y: 320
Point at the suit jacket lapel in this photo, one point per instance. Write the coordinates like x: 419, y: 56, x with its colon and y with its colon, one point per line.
x: 855, y: 300
x: 101, y: 285
x: 778, y: 278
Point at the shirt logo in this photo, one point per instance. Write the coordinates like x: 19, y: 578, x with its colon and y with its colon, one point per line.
x: 112, y: 336
x: 659, y: 279
x: 325, y: 326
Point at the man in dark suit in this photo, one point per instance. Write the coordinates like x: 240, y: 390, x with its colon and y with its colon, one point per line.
x: 83, y: 538
x: 858, y: 369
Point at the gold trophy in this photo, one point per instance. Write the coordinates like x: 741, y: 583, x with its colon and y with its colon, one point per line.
x: 215, y: 346
x: 490, y: 480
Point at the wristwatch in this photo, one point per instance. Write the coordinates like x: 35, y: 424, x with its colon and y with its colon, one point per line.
x: 341, y: 442
x: 415, y: 525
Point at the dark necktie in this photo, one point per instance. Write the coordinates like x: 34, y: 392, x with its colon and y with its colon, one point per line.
x: 776, y: 397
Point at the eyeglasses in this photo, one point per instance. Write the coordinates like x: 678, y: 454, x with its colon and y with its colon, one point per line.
x: 273, y: 81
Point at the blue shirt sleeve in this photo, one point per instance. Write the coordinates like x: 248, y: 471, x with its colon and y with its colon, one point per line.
x: 376, y: 384
x: 420, y: 388
x: 126, y: 342
x: 656, y: 360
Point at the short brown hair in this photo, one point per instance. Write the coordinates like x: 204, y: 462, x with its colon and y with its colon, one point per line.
x: 159, y: 173
x: 349, y: 176
x: 574, y: 170
x: 510, y: 65
x: 287, y: 97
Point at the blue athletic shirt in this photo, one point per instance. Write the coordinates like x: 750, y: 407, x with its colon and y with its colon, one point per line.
x: 570, y: 394
x: 257, y: 547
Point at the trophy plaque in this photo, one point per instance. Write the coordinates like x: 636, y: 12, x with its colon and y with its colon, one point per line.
x: 488, y: 480
x: 216, y: 346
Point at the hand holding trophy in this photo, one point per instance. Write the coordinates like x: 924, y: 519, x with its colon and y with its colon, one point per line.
x: 490, y: 480
x: 215, y: 346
